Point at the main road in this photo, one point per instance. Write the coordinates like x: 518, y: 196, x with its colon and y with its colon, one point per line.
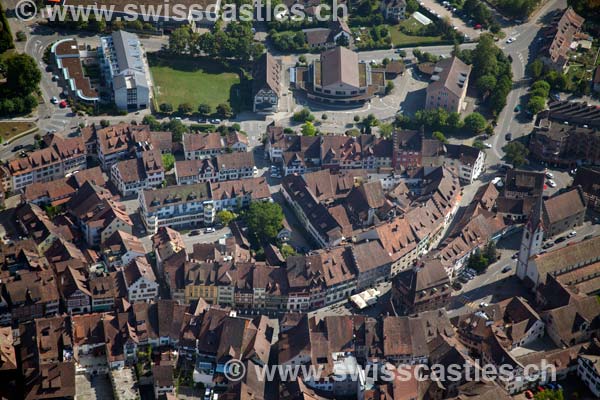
x: 523, y: 50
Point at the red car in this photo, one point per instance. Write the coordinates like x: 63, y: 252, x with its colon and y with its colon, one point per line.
x: 62, y: 104
x: 529, y: 394
x: 478, y: 26
x: 540, y: 389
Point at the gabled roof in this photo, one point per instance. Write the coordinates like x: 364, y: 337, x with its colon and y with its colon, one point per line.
x: 451, y: 74
x: 339, y: 66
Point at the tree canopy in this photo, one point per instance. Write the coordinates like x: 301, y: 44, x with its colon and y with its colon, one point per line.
x: 516, y: 153
x: 264, y: 219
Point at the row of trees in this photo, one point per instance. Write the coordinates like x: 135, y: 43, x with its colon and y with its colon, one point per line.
x: 491, y: 72
x: 176, y: 127
x: 235, y: 42
x: 6, y: 40
x: 22, y: 77
x: 223, y: 109
x: 517, y: 8
x: 538, y: 93
x: 442, y: 120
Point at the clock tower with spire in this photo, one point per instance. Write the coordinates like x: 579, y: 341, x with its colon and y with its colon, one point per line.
x: 533, y: 237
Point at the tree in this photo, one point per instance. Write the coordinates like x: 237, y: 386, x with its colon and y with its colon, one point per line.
x: 412, y: 6
x: 287, y: 250
x: 22, y: 74
x: 536, y: 104
x: 368, y: 122
x: 516, y: 153
x: 302, y: 59
x: 475, y: 122
x: 180, y: 39
x: 21, y: 36
x: 324, y: 117
x: 454, y: 121
x: 536, y: 68
x: 185, y: 108
x: 166, y: 108
x: 224, y: 110
x: 177, y: 128
x: 151, y: 121
x: 104, y: 123
x: 439, y: 136
x: 386, y: 130
x: 204, y: 109
x: 478, y: 262
x: 490, y: 252
x: 303, y: 115
x: 389, y: 87
x: 356, y: 118
x: 308, y: 129
x: 486, y: 83
x: 225, y: 217
x: 541, y: 85
x: 264, y: 219
x: 168, y: 161
x: 478, y: 144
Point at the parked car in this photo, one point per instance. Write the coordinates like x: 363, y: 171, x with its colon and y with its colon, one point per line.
x: 63, y: 104
x: 456, y: 286
x: 209, y: 230
x: 483, y: 304
x: 506, y: 269
x: 487, y: 145
x: 560, y: 240
x: 547, y: 245
x: 529, y: 394
x: 195, y: 232
x: 549, y: 175
x: 551, y: 183
x: 54, y: 100
x: 515, y: 256
x: 508, y: 137
x: 518, y: 108
x: 17, y: 147
x: 572, y: 234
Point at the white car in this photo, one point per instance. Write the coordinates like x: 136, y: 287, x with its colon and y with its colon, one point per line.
x: 54, y: 100
x: 483, y: 304
x: 572, y: 234
x: 549, y: 175
x: 487, y: 145
x: 209, y: 230
x: 551, y: 183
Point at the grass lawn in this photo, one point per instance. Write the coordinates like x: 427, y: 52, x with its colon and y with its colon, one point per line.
x: 196, y: 82
x: 400, y: 39
x: 9, y: 129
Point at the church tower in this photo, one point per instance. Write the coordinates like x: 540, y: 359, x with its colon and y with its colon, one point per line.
x: 533, y: 237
